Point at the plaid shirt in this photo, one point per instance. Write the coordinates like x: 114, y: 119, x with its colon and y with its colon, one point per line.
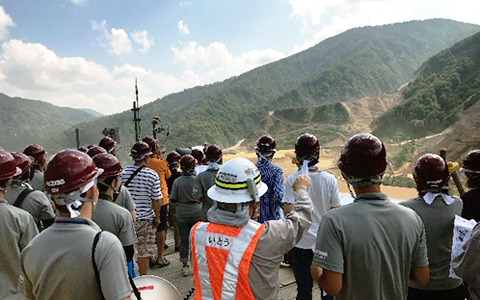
x: 271, y: 201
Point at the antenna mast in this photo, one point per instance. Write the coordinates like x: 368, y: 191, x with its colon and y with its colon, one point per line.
x: 136, y: 114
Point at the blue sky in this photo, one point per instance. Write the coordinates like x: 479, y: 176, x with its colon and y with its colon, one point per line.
x: 87, y: 53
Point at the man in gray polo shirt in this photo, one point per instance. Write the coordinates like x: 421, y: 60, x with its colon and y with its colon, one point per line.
x: 17, y: 228
x: 72, y: 258
x: 437, y: 211
x: 370, y: 248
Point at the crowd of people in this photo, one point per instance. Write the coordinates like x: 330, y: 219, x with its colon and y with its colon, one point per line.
x: 79, y: 226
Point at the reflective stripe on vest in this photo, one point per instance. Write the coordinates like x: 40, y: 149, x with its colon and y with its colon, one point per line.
x: 221, y: 257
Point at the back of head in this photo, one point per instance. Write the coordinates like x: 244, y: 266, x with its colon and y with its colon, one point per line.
x: 151, y: 142
x: 8, y: 167
x: 471, y: 167
x: 198, y: 155
x: 109, y: 163
x: 363, y: 158
x: 35, y: 151
x: 187, y: 163
x: 140, y: 150
x: 23, y: 161
x: 430, y: 172
x: 266, y: 145
x: 95, y: 150
x: 173, y: 157
x: 307, y: 148
x: 213, y: 153
x: 108, y: 144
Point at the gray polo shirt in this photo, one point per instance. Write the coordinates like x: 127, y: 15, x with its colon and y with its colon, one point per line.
x: 124, y: 199
x: 182, y: 192
x: 36, y: 203
x: 37, y: 180
x: 373, y: 243
x: 57, y: 264
x: 115, y: 219
x: 17, y: 229
x: 205, y: 180
x: 438, y: 221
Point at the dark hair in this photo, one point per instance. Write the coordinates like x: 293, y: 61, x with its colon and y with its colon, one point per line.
x: 231, y: 207
x: 103, y: 185
x: 3, y: 183
x: 473, y: 180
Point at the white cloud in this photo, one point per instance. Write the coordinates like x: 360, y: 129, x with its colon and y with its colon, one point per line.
x: 5, y: 22
x: 80, y: 2
x: 185, y: 3
x: 141, y: 38
x: 119, y: 42
x: 183, y: 28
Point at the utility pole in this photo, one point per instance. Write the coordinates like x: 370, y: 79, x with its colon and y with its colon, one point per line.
x: 136, y: 114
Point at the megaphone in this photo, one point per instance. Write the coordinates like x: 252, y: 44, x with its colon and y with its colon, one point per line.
x: 155, y: 288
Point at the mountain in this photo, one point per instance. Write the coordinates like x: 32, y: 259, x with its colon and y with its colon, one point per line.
x: 359, y: 62
x: 23, y: 121
x: 446, y: 84
x: 92, y: 112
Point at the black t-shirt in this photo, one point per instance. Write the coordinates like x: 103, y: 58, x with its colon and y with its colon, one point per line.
x: 171, y: 179
x: 471, y: 205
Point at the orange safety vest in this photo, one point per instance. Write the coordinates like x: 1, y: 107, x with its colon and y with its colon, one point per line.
x: 221, y: 257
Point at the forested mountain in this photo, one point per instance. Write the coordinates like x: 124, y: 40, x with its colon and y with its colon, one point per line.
x: 358, y: 62
x: 24, y: 121
x: 445, y: 85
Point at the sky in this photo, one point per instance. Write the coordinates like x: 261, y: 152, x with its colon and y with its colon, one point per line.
x: 87, y: 53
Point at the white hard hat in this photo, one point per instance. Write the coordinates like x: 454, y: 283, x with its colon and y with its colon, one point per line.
x: 237, y: 181
x: 155, y: 288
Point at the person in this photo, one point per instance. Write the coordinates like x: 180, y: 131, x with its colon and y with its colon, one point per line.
x: 189, y: 210
x: 233, y: 256
x: 38, y: 154
x: 199, y: 156
x: 144, y: 186
x: 471, y: 202
x: 109, y: 145
x: 22, y: 195
x: 271, y: 203
x: 160, y: 166
x: 467, y: 264
x: 324, y: 194
x: 95, y: 150
x: 437, y: 211
x: 370, y: 248
x: 173, y: 160
x: 73, y: 257
x: 206, y: 179
x: 17, y: 229
x: 107, y: 215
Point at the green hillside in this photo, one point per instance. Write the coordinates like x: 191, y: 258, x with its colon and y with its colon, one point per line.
x: 23, y: 121
x: 446, y: 84
x: 358, y: 62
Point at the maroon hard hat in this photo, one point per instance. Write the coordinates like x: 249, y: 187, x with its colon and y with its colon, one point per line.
x: 107, y: 143
x: 187, y: 162
x: 35, y: 151
x: 8, y: 167
x: 24, y: 162
x: 173, y: 157
x: 109, y: 163
x: 471, y: 163
x: 430, y: 172
x: 140, y: 149
x: 91, y: 146
x: 363, y: 156
x: 67, y: 171
x: 152, y: 143
x: 213, y: 153
x: 197, y: 154
x: 83, y: 149
x: 266, y: 143
x: 96, y: 150
x: 307, y: 145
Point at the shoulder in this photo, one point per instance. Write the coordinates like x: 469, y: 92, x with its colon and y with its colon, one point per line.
x: 108, y: 239
x: 149, y: 172
x: 18, y: 213
x: 292, y: 177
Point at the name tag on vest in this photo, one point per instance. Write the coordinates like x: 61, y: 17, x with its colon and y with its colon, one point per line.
x: 219, y: 241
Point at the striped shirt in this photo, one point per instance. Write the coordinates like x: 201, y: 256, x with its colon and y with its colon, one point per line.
x: 271, y: 201
x: 144, y: 188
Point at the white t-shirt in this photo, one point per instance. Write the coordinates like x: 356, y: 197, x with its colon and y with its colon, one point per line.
x: 324, y: 194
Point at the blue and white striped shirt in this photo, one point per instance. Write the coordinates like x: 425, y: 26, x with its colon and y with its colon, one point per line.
x: 270, y: 202
x: 144, y: 188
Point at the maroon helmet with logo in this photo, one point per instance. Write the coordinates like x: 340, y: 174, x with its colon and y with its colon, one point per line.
x: 35, y: 151
x: 266, y: 143
x: 198, y: 155
x: 152, y: 143
x: 107, y: 143
x: 431, y: 172
x: 471, y: 163
x: 213, y: 153
x: 187, y: 162
x: 24, y: 162
x: 109, y: 163
x: 140, y: 150
x: 173, y: 157
x: 8, y: 167
x: 69, y: 170
x: 96, y: 150
x: 363, y: 157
